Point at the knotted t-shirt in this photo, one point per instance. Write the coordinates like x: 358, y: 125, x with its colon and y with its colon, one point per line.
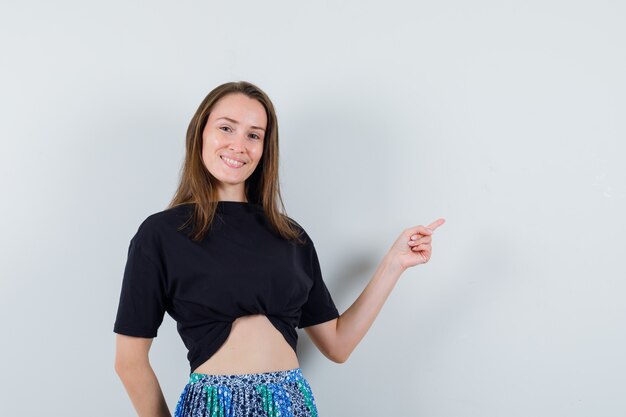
x: 240, y: 267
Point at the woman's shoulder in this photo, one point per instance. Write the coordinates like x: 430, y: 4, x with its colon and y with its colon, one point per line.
x: 156, y: 224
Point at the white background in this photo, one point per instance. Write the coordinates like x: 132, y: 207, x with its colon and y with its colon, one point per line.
x: 504, y: 118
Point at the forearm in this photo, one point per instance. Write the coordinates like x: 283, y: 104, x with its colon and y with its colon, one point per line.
x: 354, y: 323
x: 144, y: 390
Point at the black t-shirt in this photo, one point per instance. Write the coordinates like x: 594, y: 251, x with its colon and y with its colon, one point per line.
x: 241, y: 267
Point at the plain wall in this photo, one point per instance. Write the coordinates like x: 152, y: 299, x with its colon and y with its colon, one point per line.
x: 504, y: 118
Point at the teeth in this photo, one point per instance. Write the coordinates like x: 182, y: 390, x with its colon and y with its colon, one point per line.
x: 232, y: 162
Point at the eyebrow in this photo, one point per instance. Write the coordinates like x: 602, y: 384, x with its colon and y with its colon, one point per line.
x: 236, y: 122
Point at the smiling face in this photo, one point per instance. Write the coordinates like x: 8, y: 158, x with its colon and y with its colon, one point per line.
x: 232, y: 143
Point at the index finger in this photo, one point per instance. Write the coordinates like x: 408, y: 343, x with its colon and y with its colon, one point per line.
x: 434, y: 225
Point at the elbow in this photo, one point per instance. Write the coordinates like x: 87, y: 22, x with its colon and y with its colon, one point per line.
x: 340, y: 350
x: 120, y: 368
x: 121, y: 365
x: 339, y: 357
x: 118, y: 371
x: 124, y: 367
x: 340, y: 360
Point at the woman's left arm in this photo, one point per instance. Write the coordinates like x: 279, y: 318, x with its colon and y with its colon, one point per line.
x: 337, y: 338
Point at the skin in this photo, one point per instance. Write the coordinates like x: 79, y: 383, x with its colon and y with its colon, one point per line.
x: 254, y: 344
x: 236, y: 140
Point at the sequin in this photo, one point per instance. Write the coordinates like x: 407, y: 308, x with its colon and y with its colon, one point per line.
x: 267, y: 394
x: 308, y: 396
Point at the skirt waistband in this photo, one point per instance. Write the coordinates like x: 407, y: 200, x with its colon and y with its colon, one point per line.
x: 234, y: 380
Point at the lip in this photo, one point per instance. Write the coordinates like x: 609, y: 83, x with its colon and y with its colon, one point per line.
x: 234, y: 159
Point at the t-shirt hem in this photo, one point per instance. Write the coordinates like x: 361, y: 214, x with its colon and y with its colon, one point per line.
x: 211, y: 349
x: 333, y: 314
x: 131, y: 331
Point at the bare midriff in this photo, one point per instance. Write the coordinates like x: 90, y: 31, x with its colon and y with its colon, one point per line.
x: 254, y: 345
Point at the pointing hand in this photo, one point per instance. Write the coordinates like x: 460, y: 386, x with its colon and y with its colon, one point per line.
x: 413, y: 247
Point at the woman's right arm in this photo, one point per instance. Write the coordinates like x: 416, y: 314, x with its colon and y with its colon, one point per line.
x: 132, y: 365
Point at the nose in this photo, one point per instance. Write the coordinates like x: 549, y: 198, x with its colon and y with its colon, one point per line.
x: 238, y: 143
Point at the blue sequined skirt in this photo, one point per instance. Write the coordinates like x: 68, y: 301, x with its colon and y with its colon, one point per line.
x: 267, y: 394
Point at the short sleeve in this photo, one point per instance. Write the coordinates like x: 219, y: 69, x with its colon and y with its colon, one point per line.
x: 142, y: 299
x: 319, y: 306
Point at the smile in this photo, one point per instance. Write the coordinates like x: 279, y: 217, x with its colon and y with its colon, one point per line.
x: 232, y: 163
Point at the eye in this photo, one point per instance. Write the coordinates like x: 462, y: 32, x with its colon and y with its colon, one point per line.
x: 255, y: 136
x: 227, y: 127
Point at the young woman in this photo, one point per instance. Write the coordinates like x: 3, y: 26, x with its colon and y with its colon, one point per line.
x: 238, y: 276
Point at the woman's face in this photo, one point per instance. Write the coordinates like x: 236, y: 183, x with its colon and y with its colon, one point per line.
x: 232, y: 143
